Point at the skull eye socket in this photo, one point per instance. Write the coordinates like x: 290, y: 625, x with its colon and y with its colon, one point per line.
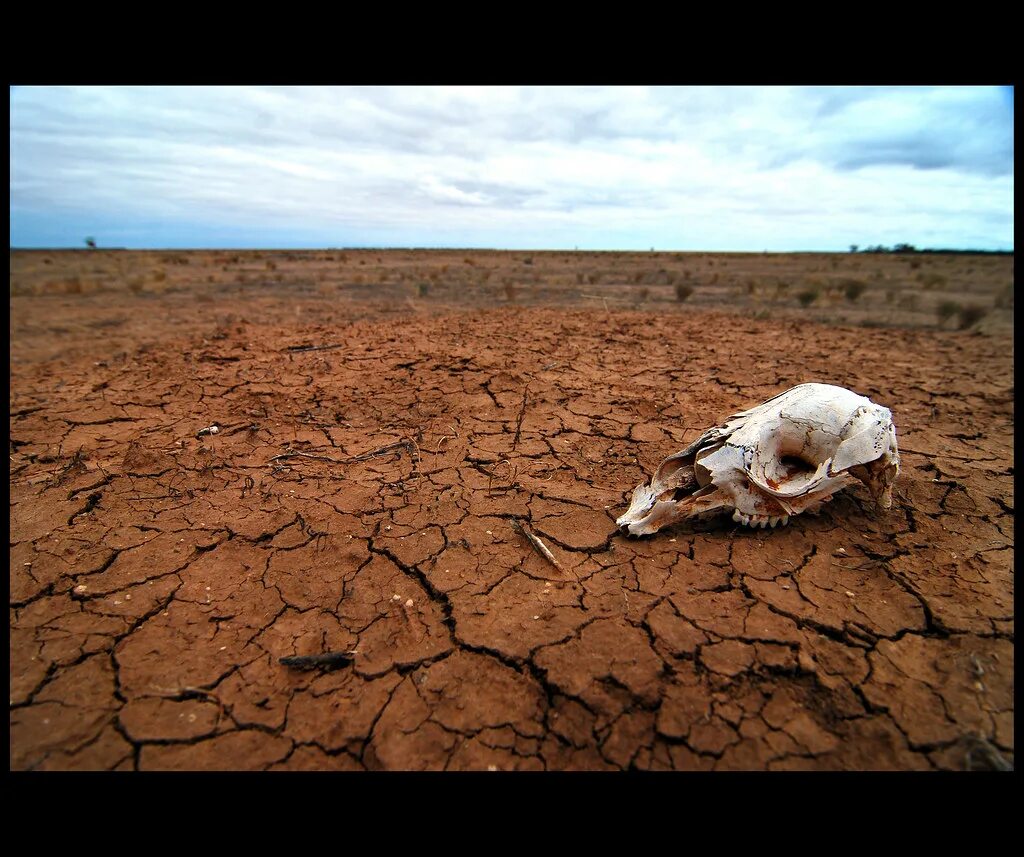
x: 794, y: 465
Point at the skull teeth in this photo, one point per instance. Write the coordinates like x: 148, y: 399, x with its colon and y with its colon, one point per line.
x: 762, y: 521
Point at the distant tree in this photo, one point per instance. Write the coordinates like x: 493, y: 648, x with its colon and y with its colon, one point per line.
x: 904, y: 248
x: 90, y: 243
x: 853, y: 248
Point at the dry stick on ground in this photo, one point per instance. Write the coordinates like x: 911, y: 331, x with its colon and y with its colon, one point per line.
x: 538, y: 545
x: 298, y: 348
x: 519, y: 419
x: 408, y: 445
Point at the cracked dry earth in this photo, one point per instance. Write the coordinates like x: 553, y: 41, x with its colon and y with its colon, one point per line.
x: 361, y: 495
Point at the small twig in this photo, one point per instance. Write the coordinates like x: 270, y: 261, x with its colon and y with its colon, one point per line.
x: 292, y: 453
x: 297, y: 348
x: 538, y: 545
x: 183, y: 693
x: 519, y: 419
x: 408, y: 445
x: 328, y: 660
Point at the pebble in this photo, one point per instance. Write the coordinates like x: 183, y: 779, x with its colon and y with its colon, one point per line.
x: 849, y: 594
x: 408, y: 603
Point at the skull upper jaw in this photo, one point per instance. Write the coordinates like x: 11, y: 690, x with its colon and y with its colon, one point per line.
x: 647, y: 514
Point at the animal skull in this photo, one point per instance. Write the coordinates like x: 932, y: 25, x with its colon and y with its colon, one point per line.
x: 786, y: 456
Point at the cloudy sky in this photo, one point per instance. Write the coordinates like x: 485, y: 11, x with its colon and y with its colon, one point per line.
x: 674, y: 168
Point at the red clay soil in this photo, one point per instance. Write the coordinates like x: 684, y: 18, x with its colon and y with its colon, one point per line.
x: 362, y: 497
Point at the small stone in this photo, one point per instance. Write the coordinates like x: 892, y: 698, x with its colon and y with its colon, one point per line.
x: 81, y: 588
x: 492, y: 767
x: 128, y: 598
x: 849, y: 594
x: 408, y: 603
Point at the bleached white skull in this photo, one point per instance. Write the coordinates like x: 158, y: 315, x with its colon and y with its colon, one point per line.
x: 786, y: 456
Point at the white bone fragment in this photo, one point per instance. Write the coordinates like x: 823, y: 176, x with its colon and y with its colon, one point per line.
x: 786, y: 456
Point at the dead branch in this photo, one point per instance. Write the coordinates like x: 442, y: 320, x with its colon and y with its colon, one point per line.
x: 295, y: 349
x: 537, y: 544
x: 408, y: 445
x: 522, y: 413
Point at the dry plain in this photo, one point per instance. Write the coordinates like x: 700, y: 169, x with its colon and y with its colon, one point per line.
x: 390, y: 421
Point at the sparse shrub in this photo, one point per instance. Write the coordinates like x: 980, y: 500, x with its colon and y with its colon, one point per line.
x: 73, y: 286
x: 946, y: 310
x: 853, y: 289
x: 528, y: 260
x: 645, y: 293
x: 970, y: 315
x: 423, y: 289
x: 808, y: 296
x: 510, y: 292
x: 683, y: 291
x: 751, y: 287
x: 915, y: 263
x: 592, y: 279
x: 930, y: 280
x: 159, y: 276
x: 1004, y: 300
x: 135, y: 285
x: 271, y: 265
